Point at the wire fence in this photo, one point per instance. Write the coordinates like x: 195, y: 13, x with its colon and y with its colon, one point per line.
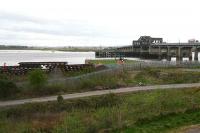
x: 115, y: 69
x: 137, y: 66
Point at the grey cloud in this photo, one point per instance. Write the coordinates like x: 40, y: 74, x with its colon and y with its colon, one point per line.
x: 5, y: 16
x: 19, y: 23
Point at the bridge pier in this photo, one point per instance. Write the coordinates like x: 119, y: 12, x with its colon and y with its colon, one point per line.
x: 196, y: 55
x: 190, y: 55
x: 159, y: 53
x: 168, y: 54
x: 179, y: 55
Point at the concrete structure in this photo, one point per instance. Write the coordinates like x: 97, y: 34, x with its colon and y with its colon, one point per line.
x: 154, y: 48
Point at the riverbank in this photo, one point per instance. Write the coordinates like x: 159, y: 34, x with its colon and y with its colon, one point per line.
x: 144, y: 111
x: 151, y: 111
x: 103, y: 80
x: 98, y: 93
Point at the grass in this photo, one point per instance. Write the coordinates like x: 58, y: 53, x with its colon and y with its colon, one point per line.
x: 23, y: 78
x: 78, y: 73
x: 109, y: 61
x: 167, y: 123
x: 110, y: 80
x: 149, y: 112
x: 185, y: 129
x: 153, y: 76
x: 15, y: 78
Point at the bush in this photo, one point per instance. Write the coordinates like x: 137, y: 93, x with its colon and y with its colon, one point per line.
x: 3, y: 76
x: 7, y: 88
x: 37, y: 79
x: 60, y: 99
x: 109, y: 100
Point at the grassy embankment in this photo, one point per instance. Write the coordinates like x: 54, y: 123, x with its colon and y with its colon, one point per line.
x: 110, y: 80
x: 22, y: 78
x: 151, y: 112
x: 81, y: 72
x: 110, y: 61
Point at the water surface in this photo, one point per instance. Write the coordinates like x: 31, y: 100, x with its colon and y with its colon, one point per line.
x: 13, y: 57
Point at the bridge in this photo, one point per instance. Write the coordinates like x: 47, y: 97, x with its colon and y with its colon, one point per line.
x: 154, y: 48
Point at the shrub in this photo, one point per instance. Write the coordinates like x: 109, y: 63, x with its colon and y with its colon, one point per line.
x: 51, y: 89
x: 4, y: 77
x: 60, y: 99
x: 37, y: 79
x: 109, y: 100
x: 7, y: 88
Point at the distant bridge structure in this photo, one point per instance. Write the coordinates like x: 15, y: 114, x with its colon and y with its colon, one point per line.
x: 153, y: 48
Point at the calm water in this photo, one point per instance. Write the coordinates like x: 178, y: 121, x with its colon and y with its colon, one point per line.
x: 12, y: 57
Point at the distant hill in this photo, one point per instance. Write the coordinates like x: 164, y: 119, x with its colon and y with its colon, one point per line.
x: 72, y: 49
x: 4, y: 47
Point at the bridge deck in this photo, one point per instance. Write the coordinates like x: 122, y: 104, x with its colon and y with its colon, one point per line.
x: 176, y: 44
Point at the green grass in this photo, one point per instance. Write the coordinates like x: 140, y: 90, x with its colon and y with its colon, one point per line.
x: 79, y: 73
x: 166, y: 123
x: 109, y: 61
x: 15, y: 78
x: 111, y: 80
x: 153, y: 76
x: 148, y: 112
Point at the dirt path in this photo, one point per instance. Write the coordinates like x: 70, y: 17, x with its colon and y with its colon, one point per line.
x: 189, y: 129
x: 193, y: 130
x: 100, y: 92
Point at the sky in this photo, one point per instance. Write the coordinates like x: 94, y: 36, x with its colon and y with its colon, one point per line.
x: 57, y: 23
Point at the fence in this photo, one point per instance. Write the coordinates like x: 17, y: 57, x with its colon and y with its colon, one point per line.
x: 115, y: 69
x: 159, y: 64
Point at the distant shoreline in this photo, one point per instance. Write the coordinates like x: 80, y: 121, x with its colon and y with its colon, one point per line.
x: 67, y: 49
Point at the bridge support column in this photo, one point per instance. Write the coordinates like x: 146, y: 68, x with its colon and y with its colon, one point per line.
x: 179, y: 56
x: 140, y: 52
x: 149, y: 49
x: 159, y: 53
x: 149, y: 56
x: 196, y: 55
x: 168, y: 54
x: 190, y: 55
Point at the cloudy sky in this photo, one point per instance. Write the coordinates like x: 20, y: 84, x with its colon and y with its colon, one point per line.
x: 96, y: 22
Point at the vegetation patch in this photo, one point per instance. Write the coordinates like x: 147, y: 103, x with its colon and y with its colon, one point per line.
x: 151, y: 76
x: 37, y: 79
x: 168, y: 123
x: 152, y: 111
x: 110, y: 61
x: 7, y: 87
x: 78, y: 73
x: 116, y: 78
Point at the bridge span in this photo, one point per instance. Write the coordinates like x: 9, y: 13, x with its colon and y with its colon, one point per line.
x: 154, y: 48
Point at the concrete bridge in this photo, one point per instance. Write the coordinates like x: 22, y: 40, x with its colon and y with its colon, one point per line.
x: 154, y: 48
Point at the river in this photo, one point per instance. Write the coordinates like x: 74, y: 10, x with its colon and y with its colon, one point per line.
x: 13, y: 57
